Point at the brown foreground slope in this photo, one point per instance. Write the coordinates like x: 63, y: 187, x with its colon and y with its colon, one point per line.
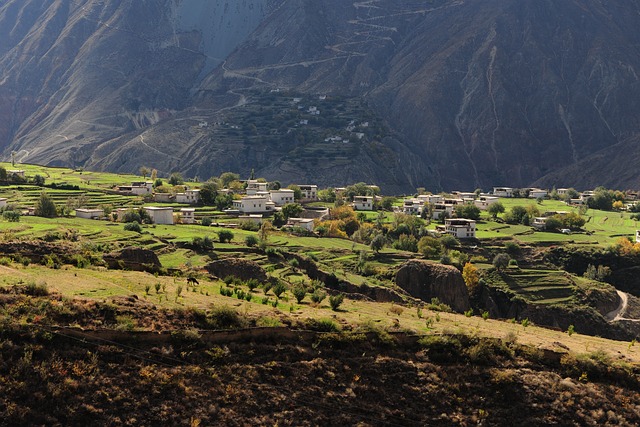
x: 287, y: 376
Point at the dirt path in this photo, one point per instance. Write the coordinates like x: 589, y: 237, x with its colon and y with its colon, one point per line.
x: 618, y: 314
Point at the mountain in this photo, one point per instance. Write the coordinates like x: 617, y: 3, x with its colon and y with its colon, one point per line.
x: 453, y: 93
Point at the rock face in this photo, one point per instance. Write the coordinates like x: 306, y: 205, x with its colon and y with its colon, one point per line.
x: 470, y: 93
x: 243, y: 269
x: 134, y: 258
x: 426, y: 280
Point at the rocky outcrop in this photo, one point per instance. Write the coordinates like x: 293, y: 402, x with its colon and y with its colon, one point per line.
x: 426, y: 280
x: 133, y: 258
x: 243, y: 269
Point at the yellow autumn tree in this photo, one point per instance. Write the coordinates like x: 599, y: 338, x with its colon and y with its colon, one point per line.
x: 470, y: 276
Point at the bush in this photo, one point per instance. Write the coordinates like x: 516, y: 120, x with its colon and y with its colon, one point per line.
x: 278, y: 289
x: 225, y: 317
x: 322, y: 325
x: 11, y: 216
x: 335, y: 301
x: 501, y: 261
x: 251, y: 241
x: 206, y: 221
x: 133, y: 226
x: 225, y: 236
x: 39, y: 289
x: 318, y: 296
x: 299, y: 292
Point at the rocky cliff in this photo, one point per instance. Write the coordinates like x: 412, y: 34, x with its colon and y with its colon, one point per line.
x: 426, y: 280
x: 464, y: 94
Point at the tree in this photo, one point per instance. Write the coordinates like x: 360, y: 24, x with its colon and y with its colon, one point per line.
x: 208, y: 193
x: 144, y: 171
x: 501, y: 261
x: 3, y: 174
x: 495, y: 209
x: 468, y: 210
x: 449, y: 242
x: 297, y: 192
x: 430, y: 247
x: 176, y: 179
x: 377, y: 243
x: 265, y: 229
x: 470, y: 276
x: 154, y: 174
x: 335, y: 301
x: 225, y: 236
x: 45, y: 206
x: 387, y: 203
x: 299, y: 292
x: 38, y: 180
x: 251, y: 240
x: 292, y: 210
x: 227, y: 178
x: 602, y: 199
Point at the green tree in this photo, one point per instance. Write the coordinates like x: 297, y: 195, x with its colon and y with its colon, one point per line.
x: 449, y: 242
x: 377, y: 243
x: 430, y: 247
x: 176, y: 179
x: 468, y: 210
x: 225, y: 236
x: 501, y: 261
x: 45, y: 206
x: 251, y: 240
x: 335, y: 301
x: 227, y: 178
x: 38, y: 180
x: 208, y: 193
x: 297, y: 192
x: 299, y: 292
x: 292, y: 210
x: 3, y: 174
x: 495, y: 209
x: 144, y: 171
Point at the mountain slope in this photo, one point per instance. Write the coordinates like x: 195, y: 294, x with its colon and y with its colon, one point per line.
x: 464, y: 94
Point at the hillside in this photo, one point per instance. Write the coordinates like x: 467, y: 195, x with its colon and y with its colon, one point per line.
x: 463, y: 94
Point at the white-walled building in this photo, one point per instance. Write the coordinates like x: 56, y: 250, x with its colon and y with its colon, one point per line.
x: 503, y: 191
x: 431, y: 198
x: 187, y: 215
x: 95, y: 213
x: 306, y: 223
x: 254, y: 186
x: 3, y: 202
x: 282, y: 197
x: 16, y: 172
x: 363, y: 203
x: 163, y: 197
x: 413, y: 206
x: 252, y: 204
x: 536, y: 193
x: 461, y: 228
x: 189, y: 196
x: 309, y: 192
x: 137, y: 188
x: 160, y: 215
x: 440, y: 209
x: 484, y: 202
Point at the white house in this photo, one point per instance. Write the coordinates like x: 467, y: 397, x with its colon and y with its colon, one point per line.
x: 539, y: 222
x: 536, y: 193
x: 254, y: 186
x: 306, y: 223
x: 484, y: 202
x: 461, y: 228
x: 363, y: 203
x: 160, y: 215
x: 282, y: 197
x: 412, y: 206
x: 637, y: 236
x: 187, y: 215
x: 251, y: 204
x: 503, y: 191
x: 90, y: 213
x: 189, y: 196
x: 3, y: 202
x: 137, y: 188
x: 440, y: 209
x: 309, y: 192
x: 431, y: 198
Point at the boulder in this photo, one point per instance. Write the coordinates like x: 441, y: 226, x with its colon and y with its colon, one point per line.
x: 426, y: 280
x: 243, y: 269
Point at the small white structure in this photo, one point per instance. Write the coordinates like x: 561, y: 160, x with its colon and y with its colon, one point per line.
x: 484, y: 202
x: 251, y: 204
x: 539, y: 223
x: 637, y: 236
x: 3, y: 202
x: 562, y: 191
x: 431, y: 198
x: 189, y: 197
x: 95, y: 213
x: 363, y: 203
x: 160, y: 215
x: 254, y: 187
x: 412, y: 206
x: 187, y: 215
x: 536, y: 193
x: 503, y: 191
x: 137, y: 188
x: 461, y: 228
x: 309, y: 192
x: 440, y: 209
x: 282, y: 197
x: 306, y: 223
x: 16, y: 172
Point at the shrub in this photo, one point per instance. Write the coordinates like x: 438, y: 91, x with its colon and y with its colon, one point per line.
x: 251, y: 240
x: 39, y: 289
x: 206, y: 221
x: 335, y: 301
x: 512, y: 248
x: 299, y: 292
x: 225, y: 317
x: 133, y: 226
x: 278, y: 289
x: 322, y: 325
x: 225, y: 236
x: 501, y: 261
x: 11, y: 216
x: 318, y: 296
